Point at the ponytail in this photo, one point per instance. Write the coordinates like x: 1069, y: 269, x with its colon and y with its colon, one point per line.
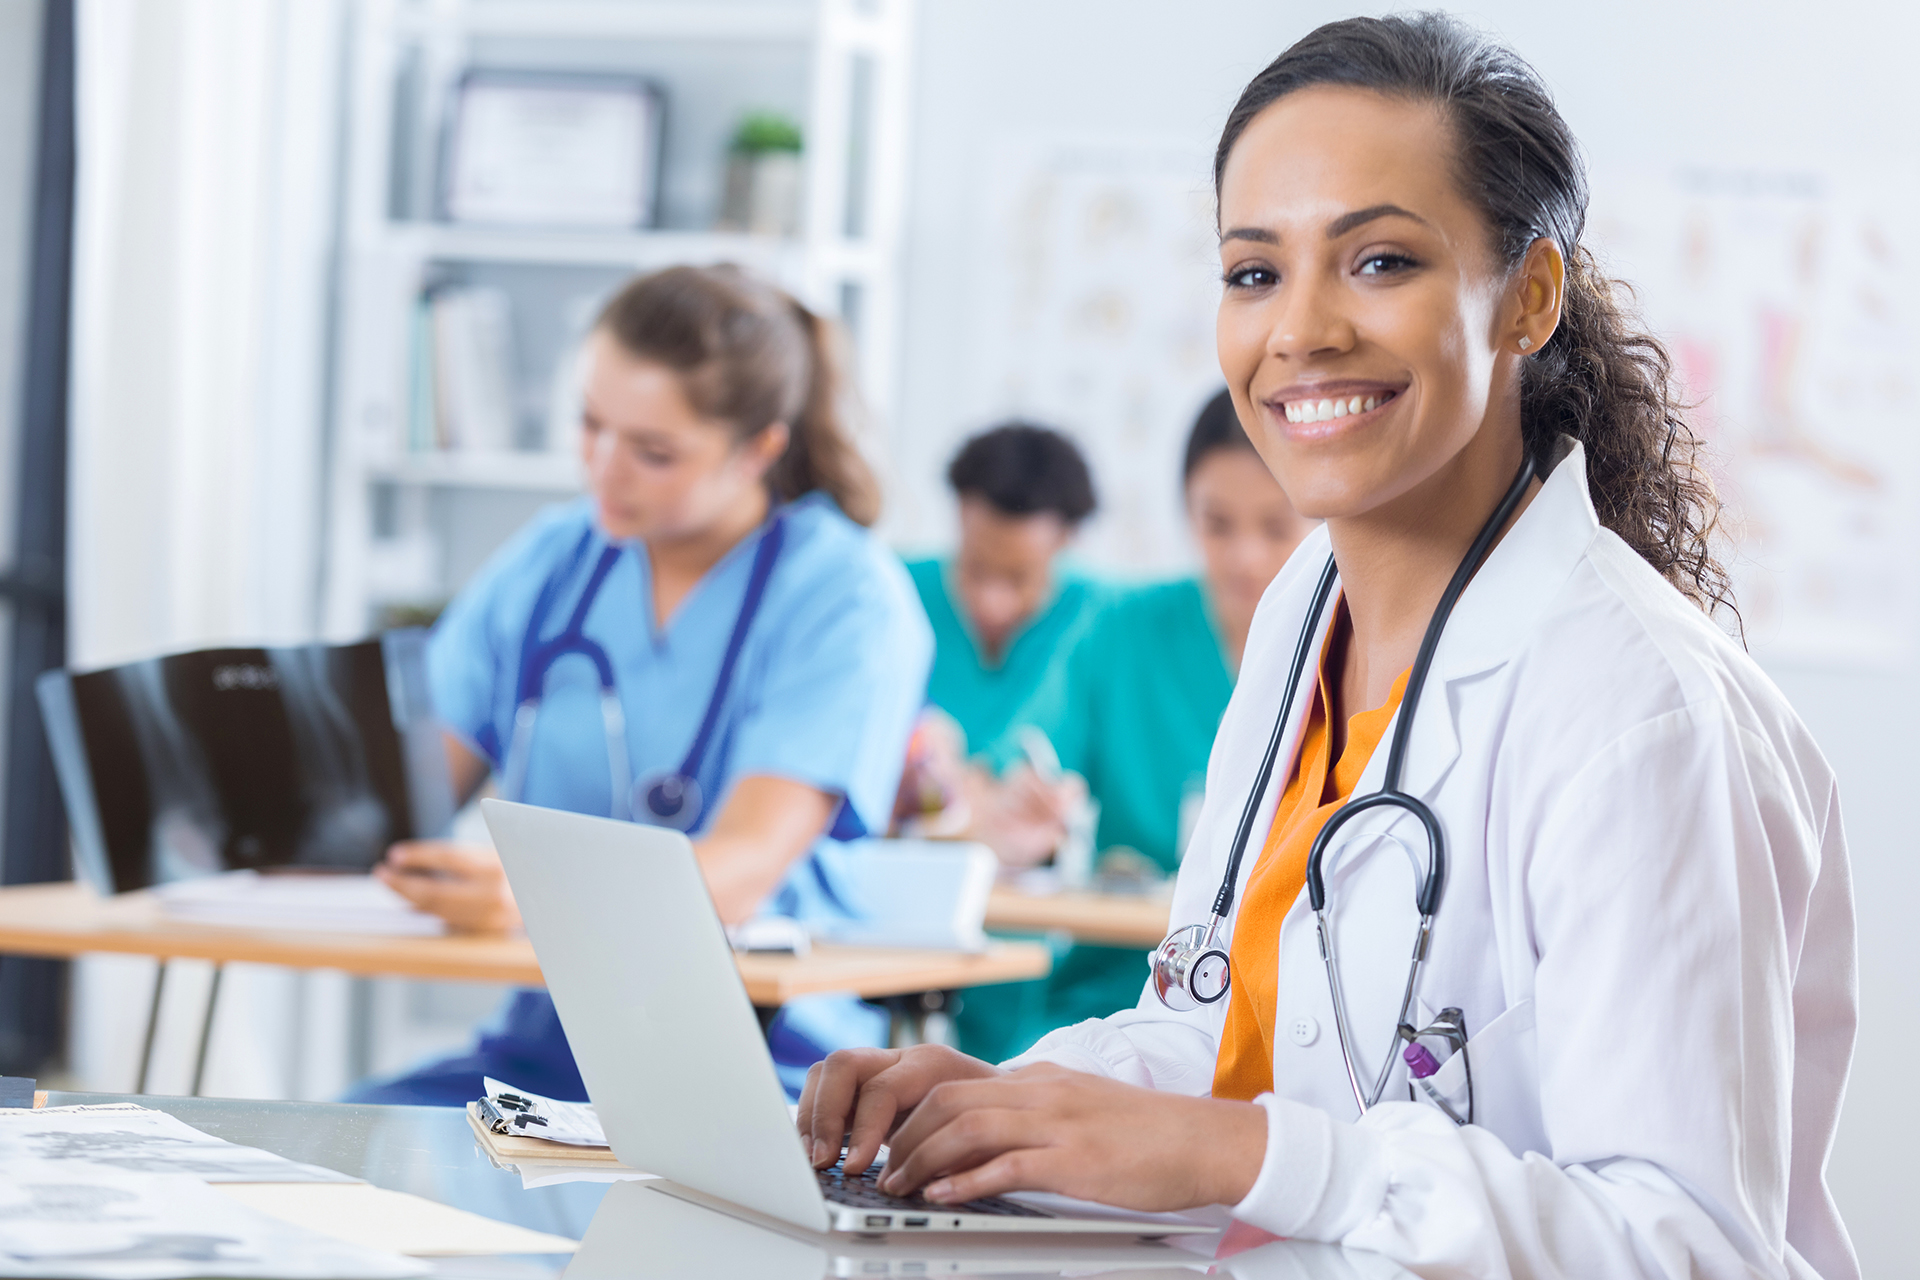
x: 1598, y: 379
x: 1610, y: 386
x: 821, y: 455
x: 750, y: 356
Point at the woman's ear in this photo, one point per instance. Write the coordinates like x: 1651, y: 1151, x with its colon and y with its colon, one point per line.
x: 764, y: 447
x: 1540, y: 287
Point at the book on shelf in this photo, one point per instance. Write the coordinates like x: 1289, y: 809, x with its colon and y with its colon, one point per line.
x: 462, y: 395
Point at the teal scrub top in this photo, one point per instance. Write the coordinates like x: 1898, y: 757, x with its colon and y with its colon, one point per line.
x: 982, y: 697
x: 1133, y: 709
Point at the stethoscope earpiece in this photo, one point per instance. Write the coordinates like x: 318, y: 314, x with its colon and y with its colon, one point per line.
x: 1191, y: 969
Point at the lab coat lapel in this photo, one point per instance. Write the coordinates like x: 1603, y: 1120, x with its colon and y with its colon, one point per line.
x: 1494, y: 615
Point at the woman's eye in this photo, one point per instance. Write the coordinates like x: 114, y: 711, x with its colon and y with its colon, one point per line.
x: 1385, y: 264
x: 1249, y: 277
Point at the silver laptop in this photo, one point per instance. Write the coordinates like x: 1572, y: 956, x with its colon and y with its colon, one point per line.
x: 668, y: 1045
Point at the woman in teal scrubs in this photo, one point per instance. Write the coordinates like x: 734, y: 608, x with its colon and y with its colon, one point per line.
x: 1134, y: 707
x: 710, y: 640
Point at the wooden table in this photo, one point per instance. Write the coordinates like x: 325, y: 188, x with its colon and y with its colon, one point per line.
x: 1110, y: 919
x: 66, y: 920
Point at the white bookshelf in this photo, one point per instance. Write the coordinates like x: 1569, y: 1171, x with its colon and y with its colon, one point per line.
x: 406, y: 525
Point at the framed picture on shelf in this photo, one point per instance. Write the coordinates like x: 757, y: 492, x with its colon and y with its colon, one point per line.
x: 553, y: 149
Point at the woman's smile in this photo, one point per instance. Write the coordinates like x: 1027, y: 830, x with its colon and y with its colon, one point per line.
x: 1314, y: 411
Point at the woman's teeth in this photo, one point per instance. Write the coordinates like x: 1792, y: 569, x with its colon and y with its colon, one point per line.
x: 1328, y: 410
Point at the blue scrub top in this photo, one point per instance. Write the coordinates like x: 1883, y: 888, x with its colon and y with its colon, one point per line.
x: 830, y: 677
x: 828, y: 682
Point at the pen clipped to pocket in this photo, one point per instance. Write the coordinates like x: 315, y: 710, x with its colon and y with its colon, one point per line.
x: 1431, y: 1048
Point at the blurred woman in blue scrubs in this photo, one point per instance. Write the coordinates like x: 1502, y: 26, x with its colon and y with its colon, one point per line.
x: 710, y: 640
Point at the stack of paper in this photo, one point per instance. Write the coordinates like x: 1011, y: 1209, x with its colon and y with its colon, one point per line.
x: 57, y: 1142
x: 317, y: 903
x: 94, y: 1224
x: 121, y: 1192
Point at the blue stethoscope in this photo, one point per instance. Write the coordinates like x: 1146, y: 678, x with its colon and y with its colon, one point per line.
x: 1191, y: 967
x: 670, y: 799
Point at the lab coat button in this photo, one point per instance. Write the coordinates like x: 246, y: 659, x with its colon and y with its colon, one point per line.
x: 1304, y: 1030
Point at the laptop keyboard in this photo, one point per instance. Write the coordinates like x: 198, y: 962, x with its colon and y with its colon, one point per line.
x: 862, y: 1192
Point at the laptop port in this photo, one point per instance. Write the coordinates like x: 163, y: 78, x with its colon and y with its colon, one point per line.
x: 879, y: 1219
x: 913, y: 1222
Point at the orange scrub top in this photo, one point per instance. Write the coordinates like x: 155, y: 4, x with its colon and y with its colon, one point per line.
x: 1244, y: 1069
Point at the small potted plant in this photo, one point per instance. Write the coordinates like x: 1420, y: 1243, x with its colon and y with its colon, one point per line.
x: 763, y: 177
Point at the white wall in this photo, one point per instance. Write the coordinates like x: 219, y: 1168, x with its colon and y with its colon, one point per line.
x: 1646, y: 85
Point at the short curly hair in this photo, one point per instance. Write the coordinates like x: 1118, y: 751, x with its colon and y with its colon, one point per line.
x: 1022, y: 469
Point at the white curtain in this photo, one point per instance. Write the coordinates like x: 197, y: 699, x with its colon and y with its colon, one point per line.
x: 208, y: 137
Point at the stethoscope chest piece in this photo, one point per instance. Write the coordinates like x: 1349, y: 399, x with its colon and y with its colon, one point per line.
x: 667, y: 800
x: 1190, y: 970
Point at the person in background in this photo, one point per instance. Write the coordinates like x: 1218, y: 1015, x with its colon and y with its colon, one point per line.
x: 1134, y: 707
x: 710, y: 640
x: 1002, y: 607
x: 1004, y: 612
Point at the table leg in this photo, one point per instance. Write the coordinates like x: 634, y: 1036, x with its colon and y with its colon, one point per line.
x: 153, y: 1024
x: 206, y: 1028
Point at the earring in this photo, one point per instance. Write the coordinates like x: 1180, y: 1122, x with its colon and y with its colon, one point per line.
x: 1525, y: 343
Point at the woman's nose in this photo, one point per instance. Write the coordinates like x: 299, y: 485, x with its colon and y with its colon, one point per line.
x: 1308, y: 319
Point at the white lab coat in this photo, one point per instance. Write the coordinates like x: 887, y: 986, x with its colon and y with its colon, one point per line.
x: 1648, y: 923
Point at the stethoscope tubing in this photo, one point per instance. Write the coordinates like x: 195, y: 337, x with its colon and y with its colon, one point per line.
x: 1390, y: 792
x: 538, y: 658
x: 1230, y: 882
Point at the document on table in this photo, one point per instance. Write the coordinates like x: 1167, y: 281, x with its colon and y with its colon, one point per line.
x: 576, y: 1124
x: 56, y: 1141
x: 570, y: 1147
x: 81, y: 1222
x: 317, y: 902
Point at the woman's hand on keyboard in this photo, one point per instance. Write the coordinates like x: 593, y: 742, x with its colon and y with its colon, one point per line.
x: 867, y: 1092
x: 1045, y: 1128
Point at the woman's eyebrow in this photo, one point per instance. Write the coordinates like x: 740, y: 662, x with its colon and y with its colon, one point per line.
x: 1258, y: 234
x: 1360, y: 217
x: 1335, y: 229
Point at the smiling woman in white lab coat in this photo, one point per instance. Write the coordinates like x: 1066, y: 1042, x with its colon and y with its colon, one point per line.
x: 1646, y: 935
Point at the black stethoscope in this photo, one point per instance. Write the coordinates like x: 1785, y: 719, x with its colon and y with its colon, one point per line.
x: 670, y: 799
x: 1191, y: 968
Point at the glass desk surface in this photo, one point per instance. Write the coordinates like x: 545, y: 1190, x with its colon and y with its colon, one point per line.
x: 632, y: 1229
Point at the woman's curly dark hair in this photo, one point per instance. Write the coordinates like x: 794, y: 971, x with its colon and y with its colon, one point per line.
x: 1600, y: 378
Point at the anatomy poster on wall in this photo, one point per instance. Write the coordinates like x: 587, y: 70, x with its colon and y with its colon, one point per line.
x: 1103, y: 277
x: 1787, y: 302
